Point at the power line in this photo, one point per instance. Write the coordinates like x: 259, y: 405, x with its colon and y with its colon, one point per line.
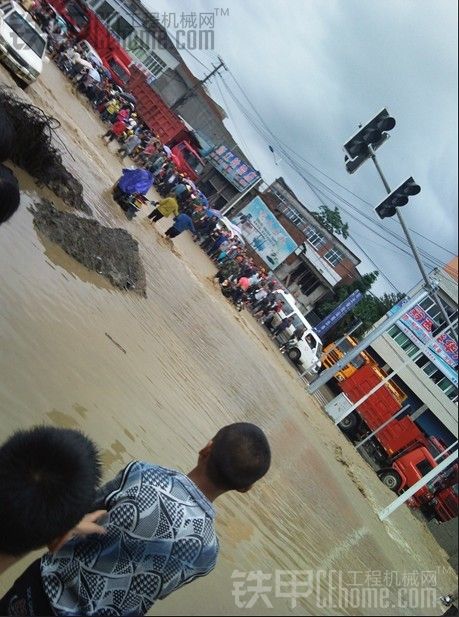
x: 288, y: 156
x: 301, y: 171
x: 234, y: 122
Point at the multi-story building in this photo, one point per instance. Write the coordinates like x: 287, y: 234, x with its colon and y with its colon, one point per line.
x: 430, y: 376
x: 322, y: 261
x: 139, y: 33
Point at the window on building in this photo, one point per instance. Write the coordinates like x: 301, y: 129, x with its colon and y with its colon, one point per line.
x: 141, y: 50
x: 293, y: 215
x: 122, y: 27
x: 433, y: 310
x: 334, y: 256
x: 314, y: 237
x: 429, y: 368
x: 447, y: 386
x: 105, y: 11
x: 422, y: 361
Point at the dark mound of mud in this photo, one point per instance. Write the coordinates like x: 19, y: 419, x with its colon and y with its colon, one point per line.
x: 113, y: 253
x: 33, y: 150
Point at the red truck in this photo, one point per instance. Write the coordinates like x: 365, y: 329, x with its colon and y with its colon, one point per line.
x: 166, y: 124
x: 187, y: 160
x: 87, y: 26
x: 401, y: 450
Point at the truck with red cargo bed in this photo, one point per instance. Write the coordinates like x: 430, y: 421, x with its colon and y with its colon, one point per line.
x: 403, y: 453
x: 87, y: 26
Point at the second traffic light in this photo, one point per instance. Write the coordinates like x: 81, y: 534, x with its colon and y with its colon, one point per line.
x: 398, y: 197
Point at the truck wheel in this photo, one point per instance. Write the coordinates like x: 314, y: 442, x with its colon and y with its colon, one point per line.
x: 294, y: 355
x: 391, y: 479
x: 349, y: 423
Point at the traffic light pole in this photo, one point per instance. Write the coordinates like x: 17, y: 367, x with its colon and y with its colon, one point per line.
x: 416, y: 255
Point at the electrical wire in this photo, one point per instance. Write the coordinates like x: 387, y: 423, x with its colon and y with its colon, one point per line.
x: 301, y: 171
x: 300, y: 157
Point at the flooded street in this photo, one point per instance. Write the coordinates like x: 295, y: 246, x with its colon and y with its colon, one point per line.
x: 155, y: 378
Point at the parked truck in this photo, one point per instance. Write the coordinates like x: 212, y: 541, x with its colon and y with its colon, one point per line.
x: 401, y: 450
x: 88, y: 27
x: 336, y: 350
x: 166, y: 124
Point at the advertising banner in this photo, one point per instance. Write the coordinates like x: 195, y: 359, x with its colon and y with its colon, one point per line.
x: 233, y: 168
x: 419, y: 326
x: 264, y: 233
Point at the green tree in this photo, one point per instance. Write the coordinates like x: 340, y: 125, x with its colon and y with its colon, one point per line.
x: 369, y: 310
x: 331, y: 220
x: 363, y: 284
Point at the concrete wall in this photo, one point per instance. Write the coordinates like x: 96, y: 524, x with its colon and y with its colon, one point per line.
x: 195, y: 110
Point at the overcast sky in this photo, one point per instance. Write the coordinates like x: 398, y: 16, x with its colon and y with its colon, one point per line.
x: 314, y: 70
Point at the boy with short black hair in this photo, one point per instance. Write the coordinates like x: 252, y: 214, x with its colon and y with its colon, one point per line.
x: 48, y: 482
x: 160, y: 532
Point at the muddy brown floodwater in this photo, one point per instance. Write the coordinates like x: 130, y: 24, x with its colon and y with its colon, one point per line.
x: 154, y: 378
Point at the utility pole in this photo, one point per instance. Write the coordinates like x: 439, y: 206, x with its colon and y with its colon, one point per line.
x: 191, y: 90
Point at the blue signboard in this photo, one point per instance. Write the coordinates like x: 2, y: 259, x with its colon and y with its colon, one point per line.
x: 338, y: 313
x: 233, y: 168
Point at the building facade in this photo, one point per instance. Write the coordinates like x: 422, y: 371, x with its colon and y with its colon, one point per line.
x: 139, y: 33
x: 145, y: 38
x: 428, y: 377
x: 322, y: 262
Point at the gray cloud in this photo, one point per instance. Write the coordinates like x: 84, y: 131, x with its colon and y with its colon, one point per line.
x: 314, y: 69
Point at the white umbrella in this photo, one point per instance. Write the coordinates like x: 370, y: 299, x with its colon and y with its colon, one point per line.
x: 95, y: 58
x: 167, y: 150
x: 85, y: 63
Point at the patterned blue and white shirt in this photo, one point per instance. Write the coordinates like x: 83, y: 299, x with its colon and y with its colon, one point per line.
x: 160, y: 535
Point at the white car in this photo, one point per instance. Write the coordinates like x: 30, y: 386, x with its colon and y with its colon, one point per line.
x: 22, y: 43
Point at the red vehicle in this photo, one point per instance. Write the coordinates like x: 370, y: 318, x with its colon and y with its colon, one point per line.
x: 89, y: 27
x: 187, y: 160
x: 154, y: 111
x: 401, y: 450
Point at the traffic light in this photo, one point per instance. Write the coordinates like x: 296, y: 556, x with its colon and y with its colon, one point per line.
x: 397, y: 198
x: 374, y: 134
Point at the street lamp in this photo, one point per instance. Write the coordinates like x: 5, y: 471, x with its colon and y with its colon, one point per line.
x: 361, y: 147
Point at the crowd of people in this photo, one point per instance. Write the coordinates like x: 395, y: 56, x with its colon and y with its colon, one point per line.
x: 242, y: 281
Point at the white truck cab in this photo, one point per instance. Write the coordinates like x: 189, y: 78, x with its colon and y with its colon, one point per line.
x: 306, y: 351
x: 22, y: 43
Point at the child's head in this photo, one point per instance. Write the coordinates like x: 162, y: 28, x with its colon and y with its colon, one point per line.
x: 9, y: 187
x: 237, y: 457
x: 9, y: 194
x: 48, y: 482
